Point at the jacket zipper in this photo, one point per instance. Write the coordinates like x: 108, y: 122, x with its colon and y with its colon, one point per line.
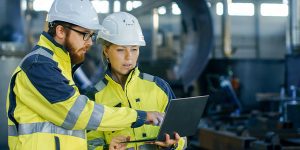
x: 129, y: 101
x: 126, y: 88
x: 57, y: 143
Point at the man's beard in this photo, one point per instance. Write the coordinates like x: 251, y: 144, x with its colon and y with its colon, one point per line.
x: 75, y: 57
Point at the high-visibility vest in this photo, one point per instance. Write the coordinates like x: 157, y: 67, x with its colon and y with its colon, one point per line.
x: 142, y: 91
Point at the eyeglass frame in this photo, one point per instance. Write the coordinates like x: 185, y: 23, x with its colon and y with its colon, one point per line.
x: 86, y: 35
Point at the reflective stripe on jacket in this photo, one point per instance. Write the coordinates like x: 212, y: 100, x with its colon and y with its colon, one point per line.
x: 142, y: 92
x: 45, y: 109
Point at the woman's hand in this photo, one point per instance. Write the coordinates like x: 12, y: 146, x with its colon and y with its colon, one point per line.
x: 168, y: 141
x: 116, y: 144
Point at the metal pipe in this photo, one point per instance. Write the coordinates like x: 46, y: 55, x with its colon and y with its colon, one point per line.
x: 257, y: 28
x: 294, y: 27
x: 155, y: 26
x: 226, y: 30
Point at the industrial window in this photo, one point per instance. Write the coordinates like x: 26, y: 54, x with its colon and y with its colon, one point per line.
x: 101, y: 6
x: 117, y: 6
x: 42, y: 5
x: 236, y: 9
x: 162, y: 10
x: 133, y: 4
x: 175, y: 9
x: 271, y: 9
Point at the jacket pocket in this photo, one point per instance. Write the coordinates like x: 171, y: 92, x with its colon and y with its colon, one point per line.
x: 57, y: 143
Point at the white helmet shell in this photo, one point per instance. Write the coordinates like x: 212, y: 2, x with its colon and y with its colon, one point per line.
x: 78, y: 12
x: 122, y: 28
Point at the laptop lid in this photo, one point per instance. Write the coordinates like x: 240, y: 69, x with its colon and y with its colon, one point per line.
x: 182, y: 116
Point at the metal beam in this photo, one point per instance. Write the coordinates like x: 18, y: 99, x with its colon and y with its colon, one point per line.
x: 257, y: 29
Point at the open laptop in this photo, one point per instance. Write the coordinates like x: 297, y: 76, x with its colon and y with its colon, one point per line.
x: 182, y: 116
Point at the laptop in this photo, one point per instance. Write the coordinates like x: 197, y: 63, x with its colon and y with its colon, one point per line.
x: 182, y: 116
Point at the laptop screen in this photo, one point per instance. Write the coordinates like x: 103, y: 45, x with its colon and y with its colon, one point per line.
x: 182, y: 116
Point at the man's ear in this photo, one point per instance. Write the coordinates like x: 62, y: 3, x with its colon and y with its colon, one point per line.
x: 60, y: 32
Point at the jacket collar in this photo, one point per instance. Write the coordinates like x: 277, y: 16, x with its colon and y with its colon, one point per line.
x: 48, y: 42
x: 134, y: 73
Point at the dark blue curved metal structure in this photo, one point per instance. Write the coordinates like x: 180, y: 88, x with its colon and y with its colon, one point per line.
x: 198, y: 27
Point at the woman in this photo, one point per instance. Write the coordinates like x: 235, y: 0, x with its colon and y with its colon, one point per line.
x: 125, y: 86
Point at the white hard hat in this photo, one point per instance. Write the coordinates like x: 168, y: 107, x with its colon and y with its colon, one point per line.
x: 78, y: 12
x: 122, y: 28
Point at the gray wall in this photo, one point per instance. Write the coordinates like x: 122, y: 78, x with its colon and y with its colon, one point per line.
x: 2, y: 12
x: 272, y: 32
x: 255, y: 76
x: 272, y: 36
x: 258, y: 76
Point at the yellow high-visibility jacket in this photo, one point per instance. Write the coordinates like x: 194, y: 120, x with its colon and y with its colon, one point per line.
x: 141, y: 92
x: 45, y: 109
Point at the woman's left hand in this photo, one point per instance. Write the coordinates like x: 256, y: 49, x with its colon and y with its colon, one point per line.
x: 168, y: 141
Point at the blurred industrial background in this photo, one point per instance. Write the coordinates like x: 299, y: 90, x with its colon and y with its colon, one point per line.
x: 243, y: 53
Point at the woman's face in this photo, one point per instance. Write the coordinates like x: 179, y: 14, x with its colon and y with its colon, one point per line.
x: 122, y: 58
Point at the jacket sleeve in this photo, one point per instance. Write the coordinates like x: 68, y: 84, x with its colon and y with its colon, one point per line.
x: 167, y: 93
x: 44, y: 89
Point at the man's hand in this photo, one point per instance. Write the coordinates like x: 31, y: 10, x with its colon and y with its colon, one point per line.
x: 116, y: 144
x: 154, y: 118
x: 168, y: 142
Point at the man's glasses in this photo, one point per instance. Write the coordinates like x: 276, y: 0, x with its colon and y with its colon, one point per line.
x: 86, y: 35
